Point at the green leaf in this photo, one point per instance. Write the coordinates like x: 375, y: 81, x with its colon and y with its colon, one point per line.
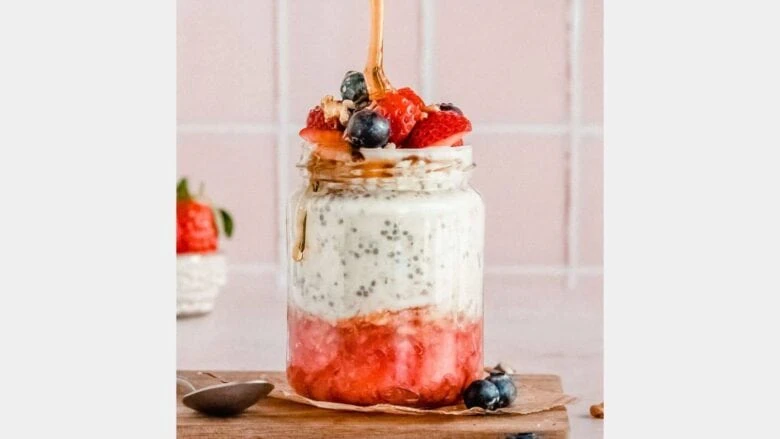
x: 227, y: 222
x: 182, y: 191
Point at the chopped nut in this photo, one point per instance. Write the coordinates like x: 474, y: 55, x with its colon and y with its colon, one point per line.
x: 432, y: 108
x: 332, y: 108
x: 597, y: 411
x: 501, y: 367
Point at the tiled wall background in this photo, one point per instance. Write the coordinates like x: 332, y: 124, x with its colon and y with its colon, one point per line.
x: 527, y: 72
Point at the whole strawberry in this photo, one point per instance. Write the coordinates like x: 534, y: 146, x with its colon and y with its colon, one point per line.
x: 196, y: 224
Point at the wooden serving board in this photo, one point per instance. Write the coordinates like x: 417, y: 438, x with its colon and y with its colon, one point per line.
x: 274, y: 418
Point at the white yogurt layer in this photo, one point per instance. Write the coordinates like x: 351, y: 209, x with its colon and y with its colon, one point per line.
x: 370, y: 249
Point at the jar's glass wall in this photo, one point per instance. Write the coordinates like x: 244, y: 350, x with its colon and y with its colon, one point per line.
x: 385, y: 304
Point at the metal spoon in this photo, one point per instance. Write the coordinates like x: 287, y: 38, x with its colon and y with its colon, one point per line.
x: 226, y: 399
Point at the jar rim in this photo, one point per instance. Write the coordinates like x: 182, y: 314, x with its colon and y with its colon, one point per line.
x: 389, y: 164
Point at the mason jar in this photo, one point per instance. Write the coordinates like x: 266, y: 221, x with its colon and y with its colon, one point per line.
x: 385, y: 277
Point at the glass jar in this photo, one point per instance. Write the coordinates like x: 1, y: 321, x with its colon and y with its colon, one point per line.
x: 385, y: 278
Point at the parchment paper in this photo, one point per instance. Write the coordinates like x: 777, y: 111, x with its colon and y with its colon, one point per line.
x: 529, y: 400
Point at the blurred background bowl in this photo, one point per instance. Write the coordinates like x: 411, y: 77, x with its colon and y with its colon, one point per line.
x: 199, y: 279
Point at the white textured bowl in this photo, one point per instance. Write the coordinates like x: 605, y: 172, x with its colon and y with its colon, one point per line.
x: 198, y: 281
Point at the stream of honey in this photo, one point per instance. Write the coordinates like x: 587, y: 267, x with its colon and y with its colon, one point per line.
x: 376, y: 81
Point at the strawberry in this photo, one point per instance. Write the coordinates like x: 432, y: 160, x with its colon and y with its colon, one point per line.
x: 326, y: 134
x: 330, y: 143
x: 316, y: 119
x: 402, y: 113
x: 196, y: 225
x: 440, y: 128
x: 408, y: 93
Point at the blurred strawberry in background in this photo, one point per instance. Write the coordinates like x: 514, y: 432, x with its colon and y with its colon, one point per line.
x: 201, y: 270
x: 197, y: 228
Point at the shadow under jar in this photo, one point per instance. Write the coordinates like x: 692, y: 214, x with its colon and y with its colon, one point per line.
x: 385, y: 278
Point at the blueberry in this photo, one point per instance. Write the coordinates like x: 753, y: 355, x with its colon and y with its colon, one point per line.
x: 506, y: 388
x: 449, y: 107
x: 367, y: 129
x: 481, y: 393
x: 353, y: 87
x: 521, y: 436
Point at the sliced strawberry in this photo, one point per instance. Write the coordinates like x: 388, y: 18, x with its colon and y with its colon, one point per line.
x: 441, y: 128
x: 402, y: 113
x: 408, y: 93
x: 330, y: 143
x: 316, y: 119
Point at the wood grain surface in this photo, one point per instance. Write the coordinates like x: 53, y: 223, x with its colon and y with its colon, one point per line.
x: 273, y: 418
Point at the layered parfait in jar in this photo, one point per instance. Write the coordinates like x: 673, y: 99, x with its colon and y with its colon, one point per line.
x: 386, y: 247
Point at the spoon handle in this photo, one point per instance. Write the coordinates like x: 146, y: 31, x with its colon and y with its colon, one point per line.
x: 186, y: 383
x: 214, y: 376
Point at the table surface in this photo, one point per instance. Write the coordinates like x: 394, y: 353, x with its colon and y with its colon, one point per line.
x: 281, y: 419
x: 533, y: 323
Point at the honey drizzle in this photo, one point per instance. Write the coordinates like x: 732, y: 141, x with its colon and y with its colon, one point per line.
x: 301, y: 215
x: 376, y: 81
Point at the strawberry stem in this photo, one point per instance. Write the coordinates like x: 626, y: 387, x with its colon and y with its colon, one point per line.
x: 182, y: 191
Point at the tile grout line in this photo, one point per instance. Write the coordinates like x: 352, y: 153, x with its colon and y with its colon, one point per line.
x: 511, y: 128
x: 509, y: 270
x: 542, y: 270
x: 282, y: 105
x: 226, y: 128
x: 427, y: 31
x: 575, y: 93
x: 481, y: 128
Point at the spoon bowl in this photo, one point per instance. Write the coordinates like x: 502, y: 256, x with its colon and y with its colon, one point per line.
x: 227, y: 399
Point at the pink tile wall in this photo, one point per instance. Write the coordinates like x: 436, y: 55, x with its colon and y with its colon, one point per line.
x: 522, y: 179
x: 593, y: 61
x: 225, y: 61
x: 505, y: 62
x: 592, y: 206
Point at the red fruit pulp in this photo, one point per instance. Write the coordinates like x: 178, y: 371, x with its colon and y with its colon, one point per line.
x: 405, y: 357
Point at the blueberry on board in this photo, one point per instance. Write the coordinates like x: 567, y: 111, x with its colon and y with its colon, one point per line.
x: 521, y: 436
x: 367, y: 129
x: 449, y: 107
x: 506, y: 388
x: 353, y: 87
x: 481, y: 393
